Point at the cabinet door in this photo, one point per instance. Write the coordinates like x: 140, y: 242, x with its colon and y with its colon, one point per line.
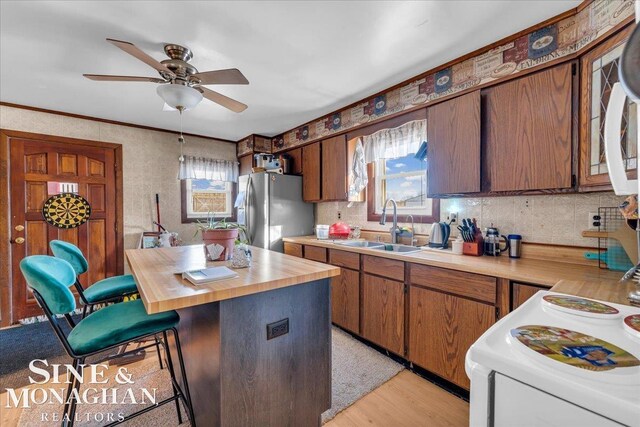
x: 383, y: 312
x: 527, y: 132
x: 599, y: 72
x: 296, y: 161
x: 521, y: 293
x: 442, y: 327
x: 246, y: 163
x: 334, y: 168
x: 345, y: 300
x: 311, y: 179
x: 453, y: 151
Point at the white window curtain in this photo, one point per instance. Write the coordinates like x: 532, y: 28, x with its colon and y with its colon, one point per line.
x: 395, y: 142
x: 211, y: 169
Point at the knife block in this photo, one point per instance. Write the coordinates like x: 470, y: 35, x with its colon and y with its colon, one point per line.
x: 472, y: 248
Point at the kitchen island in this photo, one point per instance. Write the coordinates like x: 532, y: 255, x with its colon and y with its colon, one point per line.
x: 257, y: 347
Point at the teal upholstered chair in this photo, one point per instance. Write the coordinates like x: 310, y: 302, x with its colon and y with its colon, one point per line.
x: 111, y: 289
x: 113, y: 326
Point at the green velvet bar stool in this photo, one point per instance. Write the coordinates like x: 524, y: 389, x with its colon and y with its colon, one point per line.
x: 111, y: 289
x: 50, y: 278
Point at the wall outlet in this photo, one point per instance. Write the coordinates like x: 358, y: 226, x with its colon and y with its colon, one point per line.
x: 453, y: 217
x: 339, y: 215
x: 594, y: 221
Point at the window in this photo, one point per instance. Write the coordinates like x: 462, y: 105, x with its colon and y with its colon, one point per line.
x: 403, y: 179
x: 202, y: 196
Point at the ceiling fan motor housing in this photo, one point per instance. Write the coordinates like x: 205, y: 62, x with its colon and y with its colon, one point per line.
x: 178, y: 62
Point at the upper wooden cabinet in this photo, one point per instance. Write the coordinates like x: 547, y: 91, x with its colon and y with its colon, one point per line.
x: 246, y: 164
x: 453, y: 151
x: 311, y: 184
x: 334, y: 168
x: 527, y: 132
x: 599, y: 72
x: 296, y: 161
x: 324, y: 166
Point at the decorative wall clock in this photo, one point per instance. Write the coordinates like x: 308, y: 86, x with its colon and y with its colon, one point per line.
x: 66, y: 210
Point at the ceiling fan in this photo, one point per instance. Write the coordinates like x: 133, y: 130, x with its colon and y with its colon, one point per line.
x: 181, y: 85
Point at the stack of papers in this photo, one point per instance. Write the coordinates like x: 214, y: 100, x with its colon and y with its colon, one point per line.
x: 206, y: 275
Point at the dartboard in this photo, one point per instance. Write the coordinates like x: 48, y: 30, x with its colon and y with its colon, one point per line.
x: 66, y: 210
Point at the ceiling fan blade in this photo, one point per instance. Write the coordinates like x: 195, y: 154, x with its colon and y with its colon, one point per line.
x: 105, y: 78
x: 231, y: 76
x: 134, y: 51
x: 225, y: 101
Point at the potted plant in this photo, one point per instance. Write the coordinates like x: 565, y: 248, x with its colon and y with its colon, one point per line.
x: 221, y: 232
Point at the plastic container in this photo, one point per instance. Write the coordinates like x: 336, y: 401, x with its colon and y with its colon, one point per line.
x: 456, y: 246
x: 322, y: 232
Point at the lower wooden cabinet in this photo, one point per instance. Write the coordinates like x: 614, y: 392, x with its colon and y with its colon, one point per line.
x: 294, y: 249
x: 345, y: 300
x: 383, y: 312
x: 442, y: 327
x: 521, y: 293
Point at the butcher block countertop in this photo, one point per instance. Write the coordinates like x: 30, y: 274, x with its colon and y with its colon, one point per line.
x: 602, y: 290
x: 162, y: 290
x: 526, y: 270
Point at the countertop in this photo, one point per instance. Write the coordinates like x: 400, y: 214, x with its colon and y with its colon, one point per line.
x: 602, y: 290
x: 162, y: 290
x: 526, y: 270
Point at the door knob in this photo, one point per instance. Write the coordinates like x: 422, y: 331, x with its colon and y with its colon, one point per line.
x: 19, y: 227
x: 19, y: 240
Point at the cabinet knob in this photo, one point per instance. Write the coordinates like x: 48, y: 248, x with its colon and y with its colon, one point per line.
x: 19, y: 227
x: 19, y: 240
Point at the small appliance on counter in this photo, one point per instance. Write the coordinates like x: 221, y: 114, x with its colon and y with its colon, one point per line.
x: 339, y: 230
x: 439, y: 236
x: 492, y: 239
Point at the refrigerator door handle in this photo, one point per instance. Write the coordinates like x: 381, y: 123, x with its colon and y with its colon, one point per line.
x: 247, y: 205
x: 613, y: 154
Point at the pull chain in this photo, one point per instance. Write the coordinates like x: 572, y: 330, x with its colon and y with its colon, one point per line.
x: 181, y: 138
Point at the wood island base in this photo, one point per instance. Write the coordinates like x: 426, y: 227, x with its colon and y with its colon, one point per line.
x: 238, y: 377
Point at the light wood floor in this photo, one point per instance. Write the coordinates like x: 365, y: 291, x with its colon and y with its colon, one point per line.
x: 406, y: 400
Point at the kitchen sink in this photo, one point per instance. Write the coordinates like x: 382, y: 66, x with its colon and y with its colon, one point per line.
x: 397, y: 248
x: 361, y: 244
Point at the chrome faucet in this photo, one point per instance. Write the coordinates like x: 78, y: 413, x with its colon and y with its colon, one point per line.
x: 383, y: 219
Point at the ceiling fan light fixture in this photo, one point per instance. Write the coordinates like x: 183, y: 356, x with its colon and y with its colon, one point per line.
x: 179, y: 96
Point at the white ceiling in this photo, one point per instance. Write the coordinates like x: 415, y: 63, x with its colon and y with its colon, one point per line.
x: 303, y: 59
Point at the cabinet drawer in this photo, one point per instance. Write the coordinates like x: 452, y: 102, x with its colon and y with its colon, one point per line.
x: 383, y: 267
x: 294, y: 249
x: 315, y: 253
x: 476, y: 286
x: 344, y: 259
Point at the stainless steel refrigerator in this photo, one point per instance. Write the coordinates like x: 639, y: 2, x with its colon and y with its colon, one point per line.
x: 271, y: 207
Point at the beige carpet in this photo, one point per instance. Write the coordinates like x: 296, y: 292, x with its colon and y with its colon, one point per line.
x: 356, y: 370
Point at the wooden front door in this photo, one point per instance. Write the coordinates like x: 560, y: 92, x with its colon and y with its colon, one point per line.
x: 34, y: 163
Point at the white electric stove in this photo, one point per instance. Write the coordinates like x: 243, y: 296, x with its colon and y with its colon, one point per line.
x: 558, y: 360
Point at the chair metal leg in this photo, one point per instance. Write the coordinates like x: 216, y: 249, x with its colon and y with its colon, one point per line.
x: 69, y: 388
x: 74, y: 402
x: 158, y: 350
x: 84, y: 311
x: 174, y: 381
x: 184, y: 378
